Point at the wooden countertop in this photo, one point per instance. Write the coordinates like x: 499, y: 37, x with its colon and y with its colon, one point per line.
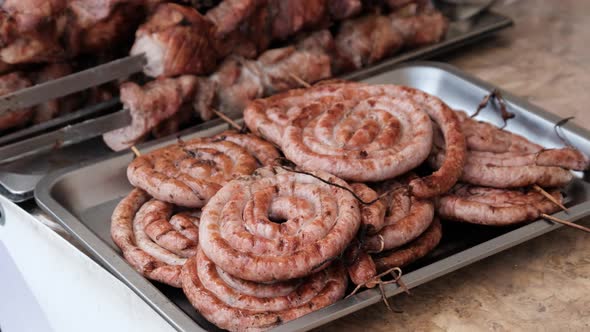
x: 544, y: 284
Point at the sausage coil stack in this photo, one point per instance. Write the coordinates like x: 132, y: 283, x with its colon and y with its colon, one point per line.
x: 276, y: 271
x: 239, y: 305
x: 255, y: 239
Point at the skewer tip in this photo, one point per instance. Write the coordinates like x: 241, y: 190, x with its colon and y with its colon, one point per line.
x: 135, y: 151
x: 550, y: 197
x: 227, y: 119
x: 565, y: 222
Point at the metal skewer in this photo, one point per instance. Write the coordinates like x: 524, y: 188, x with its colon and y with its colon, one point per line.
x: 73, y: 83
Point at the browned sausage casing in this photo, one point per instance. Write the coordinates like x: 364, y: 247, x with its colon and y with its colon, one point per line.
x: 265, y: 153
x: 346, y: 129
x: 361, y: 132
x: 406, y: 216
x: 278, y: 224
x: 501, y: 159
x: 238, y: 305
x: 496, y: 207
x: 190, y: 173
x: 372, y: 215
x: 359, y: 264
x: 413, y: 251
x: 153, y: 240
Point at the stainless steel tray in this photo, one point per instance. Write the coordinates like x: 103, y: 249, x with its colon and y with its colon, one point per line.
x: 19, y: 176
x: 83, y: 198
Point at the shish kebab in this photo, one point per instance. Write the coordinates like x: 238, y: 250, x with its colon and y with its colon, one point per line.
x: 162, y: 105
x: 179, y: 40
x: 234, y: 88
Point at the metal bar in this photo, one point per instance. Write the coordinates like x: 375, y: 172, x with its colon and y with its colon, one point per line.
x: 65, y: 136
x: 66, y: 85
x: 85, y: 112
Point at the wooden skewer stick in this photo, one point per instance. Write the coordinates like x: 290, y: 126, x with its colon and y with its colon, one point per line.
x: 299, y: 80
x: 396, y: 272
x: 227, y: 119
x: 550, y: 197
x: 135, y: 151
x: 565, y: 222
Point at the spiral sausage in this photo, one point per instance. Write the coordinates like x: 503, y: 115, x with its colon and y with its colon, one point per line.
x: 346, y: 130
x: 190, y: 173
x: 264, y: 152
x: 501, y: 159
x: 413, y: 251
x: 153, y: 240
x: 278, y: 224
x: 361, y: 132
x: 239, y: 305
x: 496, y: 207
x: 406, y: 216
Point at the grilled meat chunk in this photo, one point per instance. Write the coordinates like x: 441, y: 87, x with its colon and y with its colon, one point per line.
x: 176, y: 40
x: 149, y: 105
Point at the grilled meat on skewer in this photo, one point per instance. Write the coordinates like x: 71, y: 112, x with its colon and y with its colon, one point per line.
x: 237, y: 82
x: 240, y: 81
x: 43, y: 112
x: 150, y: 105
x: 34, y: 31
x: 368, y: 39
x: 176, y: 40
x: 247, y: 27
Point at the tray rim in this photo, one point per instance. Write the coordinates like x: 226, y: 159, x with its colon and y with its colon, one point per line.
x: 112, y: 261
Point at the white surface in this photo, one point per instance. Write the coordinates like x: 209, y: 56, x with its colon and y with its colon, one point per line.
x: 61, y: 289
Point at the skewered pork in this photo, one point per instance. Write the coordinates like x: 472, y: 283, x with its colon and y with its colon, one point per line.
x: 237, y: 82
x: 49, y: 31
x: 248, y: 27
x: 240, y: 81
x: 176, y: 40
x: 149, y: 105
x: 368, y: 39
